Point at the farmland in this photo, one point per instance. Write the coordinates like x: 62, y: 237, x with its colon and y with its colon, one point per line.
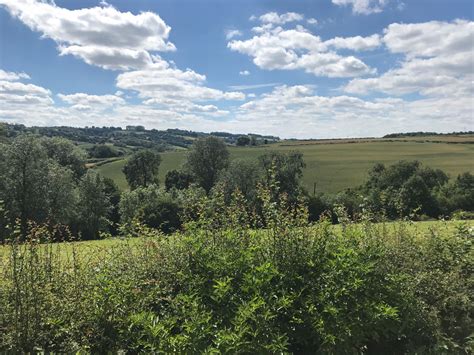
x: 337, y: 164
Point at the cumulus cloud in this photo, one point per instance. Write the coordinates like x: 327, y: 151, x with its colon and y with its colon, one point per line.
x: 436, y: 64
x: 229, y: 34
x: 11, y: 76
x: 291, y: 49
x: 430, y: 39
x: 171, y: 87
x: 244, y: 72
x: 364, y: 7
x: 277, y: 19
x: 252, y: 86
x: 356, y: 43
x: 438, y: 60
x: 101, y: 36
x: 114, y: 40
x: 103, y: 101
x: 312, y: 21
x: 15, y: 94
x: 299, y: 112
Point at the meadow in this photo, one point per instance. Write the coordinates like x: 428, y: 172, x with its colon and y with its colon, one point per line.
x: 338, y: 164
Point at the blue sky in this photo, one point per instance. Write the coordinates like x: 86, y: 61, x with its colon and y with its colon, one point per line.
x: 305, y: 69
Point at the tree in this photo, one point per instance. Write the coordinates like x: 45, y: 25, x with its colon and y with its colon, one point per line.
x: 35, y: 187
x: 151, y: 206
x: 207, y: 158
x: 415, y: 194
x: 113, y: 194
x: 24, y: 175
x: 176, y: 179
x: 66, y: 154
x: 3, y: 132
x: 103, y: 151
x: 243, y: 175
x: 93, y: 207
x: 404, y: 187
x: 243, y: 140
x: 458, y: 195
x: 62, y: 195
x: 142, y: 169
x: 288, y: 170
x: 318, y: 205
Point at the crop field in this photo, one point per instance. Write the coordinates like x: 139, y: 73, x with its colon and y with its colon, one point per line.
x: 338, y: 164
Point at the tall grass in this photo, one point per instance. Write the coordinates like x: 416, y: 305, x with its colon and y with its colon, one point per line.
x: 221, y: 285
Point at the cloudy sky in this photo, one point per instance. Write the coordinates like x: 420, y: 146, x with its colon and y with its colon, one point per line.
x: 304, y: 69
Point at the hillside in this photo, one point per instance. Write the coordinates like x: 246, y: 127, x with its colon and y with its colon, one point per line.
x: 130, y: 138
x: 331, y: 164
x: 335, y: 165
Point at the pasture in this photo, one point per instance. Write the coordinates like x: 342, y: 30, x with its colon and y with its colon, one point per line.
x: 338, y: 164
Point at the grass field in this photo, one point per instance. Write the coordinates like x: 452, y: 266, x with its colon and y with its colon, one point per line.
x: 337, y: 164
x: 95, y: 247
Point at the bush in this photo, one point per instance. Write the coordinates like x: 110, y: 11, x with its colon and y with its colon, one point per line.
x: 220, y: 286
x: 152, y: 207
x: 103, y: 151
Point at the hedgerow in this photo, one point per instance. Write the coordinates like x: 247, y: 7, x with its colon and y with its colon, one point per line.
x: 222, y: 285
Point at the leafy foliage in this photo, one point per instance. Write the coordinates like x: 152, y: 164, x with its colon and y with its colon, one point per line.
x: 207, y: 158
x: 141, y: 169
x: 220, y: 286
x: 176, y: 179
x: 153, y: 207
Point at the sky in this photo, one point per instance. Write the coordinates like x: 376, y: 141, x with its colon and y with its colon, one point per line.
x: 294, y: 68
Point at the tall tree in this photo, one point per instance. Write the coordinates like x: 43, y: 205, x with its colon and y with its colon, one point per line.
x: 242, y: 175
x: 176, y: 179
x: 24, y: 174
x: 243, y: 140
x: 142, y: 169
x: 207, y: 158
x: 94, y: 206
x: 288, y: 170
x: 66, y: 154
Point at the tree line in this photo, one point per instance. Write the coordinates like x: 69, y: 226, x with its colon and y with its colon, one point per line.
x: 44, y: 181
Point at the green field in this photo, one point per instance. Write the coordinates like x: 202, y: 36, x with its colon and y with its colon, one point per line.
x: 335, y: 165
x: 95, y: 247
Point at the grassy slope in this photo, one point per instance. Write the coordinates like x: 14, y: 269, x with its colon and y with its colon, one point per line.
x: 335, y: 166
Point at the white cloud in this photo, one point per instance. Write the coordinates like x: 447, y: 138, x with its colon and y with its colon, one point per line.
x: 276, y: 48
x: 103, y: 101
x: 277, y: 19
x: 312, y: 21
x: 297, y: 111
x: 20, y: 100
x: 101, y: 36
x: 356, y: 43
x: 430, y: 39
x: 16, y: 94
x: 244, y: 72
x: 287, y: 111
x: 439, y: 61
x: 172, y: 88
x: 11, y: 76
x: 114, y: 40
x: 252, y: 86
x: 229, y: 34
x: 364, y: 7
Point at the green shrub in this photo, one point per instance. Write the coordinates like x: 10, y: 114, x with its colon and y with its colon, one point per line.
x: 220, y: 286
